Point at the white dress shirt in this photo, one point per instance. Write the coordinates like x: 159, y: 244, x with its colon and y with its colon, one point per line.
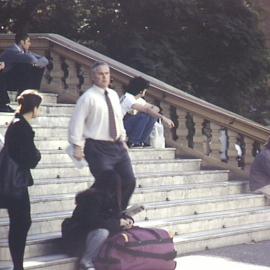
x: 90, y: 118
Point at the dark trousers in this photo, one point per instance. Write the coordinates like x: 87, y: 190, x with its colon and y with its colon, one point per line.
x: 18, y: 206
x: 102, y: 156
x: 139, y: 127
x: 19, y: 78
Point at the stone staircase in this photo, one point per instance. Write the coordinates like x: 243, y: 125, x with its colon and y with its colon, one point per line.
x: 202, y: 208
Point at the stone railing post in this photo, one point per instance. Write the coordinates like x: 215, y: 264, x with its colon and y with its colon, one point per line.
x: 232, y: 152
x: 199, y: 138
x: 182, y: 130
x: 215, y: 143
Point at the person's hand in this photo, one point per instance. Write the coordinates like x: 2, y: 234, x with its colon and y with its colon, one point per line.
x: 126, y: 223
x: 2, y: 65
x: 168, y: 122
x: 125, y: 145
x: 78, y: 152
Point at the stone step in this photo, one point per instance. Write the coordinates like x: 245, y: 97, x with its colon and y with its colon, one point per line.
x: 50, y: 120
x: 57, y: 109
x: 75, y: 184
x: 46, y: 97
x: 42, y: 244
x: 59, y: 170
x: 241, y: 234
x: 43, y: 132
x: 54, y: 155
x: 49, y: 262
x: 36, y: 245
x: 190, y: 177
x: 47, y: 203
x: 51, y: 222
x: 184, y: 244
x: 210, y: 221
x: 176, y: 208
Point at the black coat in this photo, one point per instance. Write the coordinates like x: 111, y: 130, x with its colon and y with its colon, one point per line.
x: 19, y: 142
x: 94, y: 209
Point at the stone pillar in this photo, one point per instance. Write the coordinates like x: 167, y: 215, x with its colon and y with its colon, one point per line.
x: 199, y: 138
x: 248, y: 153
x: 232, y: 152
x: 215, y: 144
x: 56, y: 84
x: 182, y: 130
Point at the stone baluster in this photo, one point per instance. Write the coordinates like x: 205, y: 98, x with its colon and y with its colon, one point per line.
x: 248, y: 157
x: 198, y: 138
x: 232, y: 152
x: 182, y: 130
x: 166, y: 112
x: 215, y: 142
x: 56, y: 74
x: 87, y: 82
x: 72, y: 80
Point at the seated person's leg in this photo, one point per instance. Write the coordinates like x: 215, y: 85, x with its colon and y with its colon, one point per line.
x: 24, y: 76
x: 4, y: 98
x: 93, y: 243
x: 148, y: 129
x: 135, y: 126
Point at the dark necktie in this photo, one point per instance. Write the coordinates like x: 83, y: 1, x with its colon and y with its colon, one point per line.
x: 112, y: 124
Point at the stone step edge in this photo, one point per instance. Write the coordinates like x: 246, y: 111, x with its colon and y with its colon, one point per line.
x: 50, y: 104
x: 152, y: 190
x: 43, y: 261
x: 189, y: 237
x: 135, y: 162
x: 147, y: 175
x: 154, y: 205
x: 148, y: 189
x: 236, y: 230
x: 158, y: 222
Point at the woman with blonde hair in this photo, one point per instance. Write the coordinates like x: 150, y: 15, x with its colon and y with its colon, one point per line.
x: 17, y: 157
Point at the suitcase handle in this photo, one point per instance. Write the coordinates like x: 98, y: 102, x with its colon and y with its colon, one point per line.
x: 166, y: 256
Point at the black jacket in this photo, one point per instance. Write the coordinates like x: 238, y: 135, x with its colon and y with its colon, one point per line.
x: 95, y: 209
x: 19, y: 141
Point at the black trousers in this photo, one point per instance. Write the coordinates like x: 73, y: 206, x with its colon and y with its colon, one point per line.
x: 103, y: 155
x: 19, y: 78
x: 19, y: 211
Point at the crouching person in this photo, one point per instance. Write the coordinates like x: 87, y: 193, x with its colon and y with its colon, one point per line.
x: 97, y: 216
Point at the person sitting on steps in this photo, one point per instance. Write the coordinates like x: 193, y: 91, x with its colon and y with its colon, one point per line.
x: 23, y: 69
x: 96, y: 216
x: 139, y: 116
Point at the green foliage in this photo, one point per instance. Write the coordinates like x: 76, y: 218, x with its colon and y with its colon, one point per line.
x: 210, y: 48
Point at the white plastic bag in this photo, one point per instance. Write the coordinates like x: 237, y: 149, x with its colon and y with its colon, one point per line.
x: 157, y: 139
x: 2, y: 141
x: 78, y: 163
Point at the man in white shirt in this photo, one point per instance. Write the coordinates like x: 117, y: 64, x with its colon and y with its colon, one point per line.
x: 91, y: 123
x: 139, y: 116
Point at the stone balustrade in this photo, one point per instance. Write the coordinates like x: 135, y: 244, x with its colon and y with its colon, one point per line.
x: 219, y: 137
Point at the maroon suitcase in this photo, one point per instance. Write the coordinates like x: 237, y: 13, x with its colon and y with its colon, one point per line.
x: 137, y: 249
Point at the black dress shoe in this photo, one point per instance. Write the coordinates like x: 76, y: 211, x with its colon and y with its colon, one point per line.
x: 6, y: 108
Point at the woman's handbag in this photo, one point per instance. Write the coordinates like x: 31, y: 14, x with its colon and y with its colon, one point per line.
x: 12, y: 177
x: 157, y: 139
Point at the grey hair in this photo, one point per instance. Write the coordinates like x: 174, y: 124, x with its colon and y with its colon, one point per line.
x: 98, y: 64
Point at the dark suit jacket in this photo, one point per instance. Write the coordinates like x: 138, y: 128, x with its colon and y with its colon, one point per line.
x: 15, y: 55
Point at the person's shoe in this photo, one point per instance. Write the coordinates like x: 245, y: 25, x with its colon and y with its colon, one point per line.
x: 6, y: 108
x: 133, y: 145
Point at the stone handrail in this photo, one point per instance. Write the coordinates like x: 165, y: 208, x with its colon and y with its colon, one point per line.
x: 221, y: 138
